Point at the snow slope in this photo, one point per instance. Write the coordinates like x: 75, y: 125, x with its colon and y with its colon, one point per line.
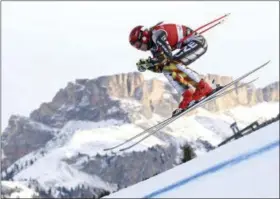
x: 248, y: 167
x: 12, y: 189
x: 69, y: 142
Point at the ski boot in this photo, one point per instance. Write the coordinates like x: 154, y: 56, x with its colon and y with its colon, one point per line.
x: 203, y: 89
x: 187, y: 99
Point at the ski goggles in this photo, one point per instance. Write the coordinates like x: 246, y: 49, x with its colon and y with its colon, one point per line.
x: 141, y: 46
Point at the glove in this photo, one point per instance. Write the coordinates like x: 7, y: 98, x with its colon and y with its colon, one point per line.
x: 144, y: 64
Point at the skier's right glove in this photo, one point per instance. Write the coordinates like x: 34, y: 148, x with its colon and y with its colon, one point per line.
x: 144, y: 64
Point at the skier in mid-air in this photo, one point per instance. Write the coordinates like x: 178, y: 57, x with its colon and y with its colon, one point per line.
x: 162, y: 40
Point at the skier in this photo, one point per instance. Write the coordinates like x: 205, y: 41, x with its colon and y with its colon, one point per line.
x: 161, y: 40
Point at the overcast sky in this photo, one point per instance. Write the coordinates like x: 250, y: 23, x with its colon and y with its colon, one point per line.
x: 47, y: 44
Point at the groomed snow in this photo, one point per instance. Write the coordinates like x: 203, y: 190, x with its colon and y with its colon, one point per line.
x: 248, y: 167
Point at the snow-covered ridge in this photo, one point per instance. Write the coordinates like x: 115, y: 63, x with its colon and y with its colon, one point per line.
x: 87, y: 139
x: 113, y: 131
x: 16, y: 189
x: 259, y: 112
x: 60, y: 139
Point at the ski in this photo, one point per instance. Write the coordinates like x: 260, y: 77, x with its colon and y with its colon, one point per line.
x: 203, y: 102
x: 212, y: 97
x: 139, y: 134
x: 166, y: 120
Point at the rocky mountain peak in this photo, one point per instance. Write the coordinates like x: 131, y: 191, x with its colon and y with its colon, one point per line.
x: 90, y: 99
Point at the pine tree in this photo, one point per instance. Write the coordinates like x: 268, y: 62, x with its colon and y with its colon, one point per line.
x: 188, y: 153
x: 16, y: 167
x: 105, y: 193
x: 50, y: 192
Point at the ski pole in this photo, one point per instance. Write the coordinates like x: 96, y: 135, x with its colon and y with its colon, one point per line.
x: 212, y: 22
x: 205, y: 25
x: 220, y: 22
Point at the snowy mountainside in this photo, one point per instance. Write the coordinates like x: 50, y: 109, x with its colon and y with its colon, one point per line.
x: 14, y: 189
x: 74, y: 156
x: 22, y: 137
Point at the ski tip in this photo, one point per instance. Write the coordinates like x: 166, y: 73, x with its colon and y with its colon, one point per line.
x: 267, y: 61
x: 252, y: 81
x: 124, y: 149
x: 264, y: 64
x: 106, y: 149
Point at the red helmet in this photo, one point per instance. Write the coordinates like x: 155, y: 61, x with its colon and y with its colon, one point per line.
x: 140, y: 38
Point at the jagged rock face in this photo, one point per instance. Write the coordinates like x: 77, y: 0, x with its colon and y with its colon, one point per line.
x: 248, y: 95
x: 91, y: 99
x: 23, y: 136
x: 271, y: 92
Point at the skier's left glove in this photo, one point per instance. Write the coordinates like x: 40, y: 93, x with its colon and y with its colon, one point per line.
x: 144, y: 64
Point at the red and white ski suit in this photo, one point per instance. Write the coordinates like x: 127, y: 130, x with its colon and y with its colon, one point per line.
x: 169, y: 37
